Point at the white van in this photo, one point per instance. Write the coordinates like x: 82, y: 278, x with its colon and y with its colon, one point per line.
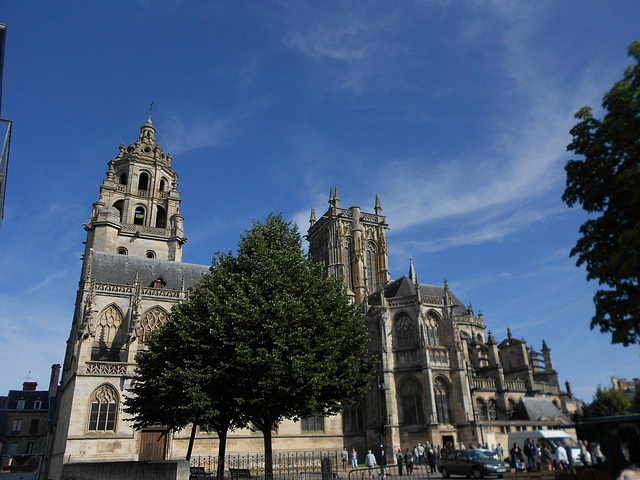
x: 552, y: 437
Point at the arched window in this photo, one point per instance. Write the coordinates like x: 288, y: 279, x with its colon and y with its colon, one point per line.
x: 372, y: 266
x: 122, y: 251
x: 352, y: 418
x: 104, y: 408
x: 109, y: 331
x: 138, y: 218
x: 405, y: 331
x: 481, y: 409
x: 161, y: 217
x: 123, y: 178
x: 433, y: 330
x: 150, y: 321
x: 411, y: 398
x: 492, y: 410
x: 119, y: 205
x: 150, y: 254
x: 143, y: 181
x: 162, y: 185
x: 442, y: 402
x: 348, y: 263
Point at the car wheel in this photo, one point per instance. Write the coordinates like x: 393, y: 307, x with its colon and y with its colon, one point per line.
x: 476, y: 473
x: 444, y: 472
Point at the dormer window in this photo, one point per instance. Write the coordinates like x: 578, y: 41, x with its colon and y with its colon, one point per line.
x: 159, y: 282
x: 20, y: 405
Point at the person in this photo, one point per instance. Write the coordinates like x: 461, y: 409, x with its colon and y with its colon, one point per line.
x: 354, y: 458
x: 408, y: 460
x: 516, y: 455
x: 546, y: 457
x: 383, y: 464
x: 562, y: 461
x: 531, y: 452
x: 421, y: 452
x: 399, y: 458
x: 597, y: 454
x: 345, y: 458
x: 370, y: 462
x: 416, y: 455
x: 432, y: 461
x: 615, y: 460
x: 500, y: 452
x: 585, y: 456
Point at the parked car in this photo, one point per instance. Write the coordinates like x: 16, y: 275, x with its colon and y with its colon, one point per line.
x: 475, y: 463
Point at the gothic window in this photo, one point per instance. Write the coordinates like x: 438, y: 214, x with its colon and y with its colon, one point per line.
x: 372, y: 266
x: 104, y: 406
x: 433, y: 330
x: 492, y: 410
x: 123, y: 178
x: 481, y: 409
x: 150, y: 321
x: 405, y: 331
x: 138, y: 218
x: 411, y: 399
x: 441, y: 394
x: 119, y: 205
x: 161, y: 217
x: 143, y: 181
x: 348, y: 263
x: 353, y: 419
x: 109, y: 331
x: 312, y: 424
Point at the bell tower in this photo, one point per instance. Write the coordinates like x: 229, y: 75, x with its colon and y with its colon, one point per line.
x: 138, y: 212
x: 352, y: 245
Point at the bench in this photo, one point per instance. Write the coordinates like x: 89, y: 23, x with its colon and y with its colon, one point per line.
x: 198, y: 473
x: 240, y: 473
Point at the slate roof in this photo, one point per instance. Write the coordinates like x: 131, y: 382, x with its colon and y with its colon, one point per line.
x: 122, y: 270
x: 29, y: 397
x: 404, y: 287
x: 539, y: 408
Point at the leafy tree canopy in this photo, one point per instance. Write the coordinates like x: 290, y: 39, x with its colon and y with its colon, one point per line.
x: 606, y: 183
x: 607, y: 402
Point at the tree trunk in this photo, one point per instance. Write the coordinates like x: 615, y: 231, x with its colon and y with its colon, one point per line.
x: 222, y: 448
x: 191, y: 440
x: 268, y: 453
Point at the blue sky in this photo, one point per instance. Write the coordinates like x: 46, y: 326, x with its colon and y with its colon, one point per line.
x: 456, y: 113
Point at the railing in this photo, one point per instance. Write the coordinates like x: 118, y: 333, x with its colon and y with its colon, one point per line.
x: 286, y: 466
x: 132, y: 228
x: 516, y: 385
x: 484, y: 383
x: 109, y: 368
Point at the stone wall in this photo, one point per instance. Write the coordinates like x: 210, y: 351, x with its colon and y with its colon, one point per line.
x: 161, y: 470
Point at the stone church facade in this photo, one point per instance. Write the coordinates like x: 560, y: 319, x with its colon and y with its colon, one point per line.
x: 441, y: 377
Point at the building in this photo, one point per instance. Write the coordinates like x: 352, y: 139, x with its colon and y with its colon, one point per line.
x: 437, y: 366
x: 628, y: 387
x: 25, y: 418
x: 442, y: 378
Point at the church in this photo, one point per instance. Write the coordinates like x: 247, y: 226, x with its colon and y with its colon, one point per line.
x: 442, y: 377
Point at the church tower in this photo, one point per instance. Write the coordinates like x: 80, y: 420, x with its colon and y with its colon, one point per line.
x: 138, y: 212
x: 352, y: 245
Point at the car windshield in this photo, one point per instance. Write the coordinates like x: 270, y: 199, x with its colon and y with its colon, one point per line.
x: 479, y: 455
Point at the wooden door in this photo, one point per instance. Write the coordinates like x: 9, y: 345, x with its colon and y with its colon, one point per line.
x: 153, y: 445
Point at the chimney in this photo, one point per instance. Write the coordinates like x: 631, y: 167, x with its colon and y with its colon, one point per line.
x: 568, y: 385
x: 53, y: 381
x: 29, y: 386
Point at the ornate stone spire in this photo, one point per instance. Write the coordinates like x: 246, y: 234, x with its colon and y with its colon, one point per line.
x: 312, y: 220
x: 378, y: 208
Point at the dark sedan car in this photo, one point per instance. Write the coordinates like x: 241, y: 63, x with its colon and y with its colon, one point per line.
x: 472, y: 463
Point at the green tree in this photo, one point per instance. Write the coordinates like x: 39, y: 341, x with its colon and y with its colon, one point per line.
x: 304, y: 343
x: 607, y: 402
x: 606, y: 183
x: 187, y: 375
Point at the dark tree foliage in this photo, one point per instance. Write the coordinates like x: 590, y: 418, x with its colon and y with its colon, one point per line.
x: 303, y: 342
x: 264, y: 337
x: 606, y: 183
x: 187, y: 375
x: 607, y: 402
